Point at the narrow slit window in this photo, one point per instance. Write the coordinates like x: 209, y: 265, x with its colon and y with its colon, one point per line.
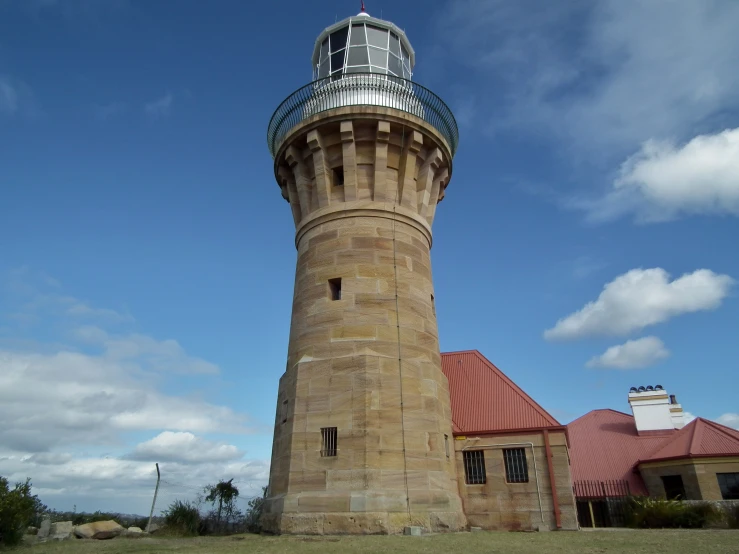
x: 446, y: 445
x: 433, y: 305
x: 516, y: 468
x: 284, y: 411
x: 334, y: 287
x: 328, y: 441
x: 339, y: 176
x: 474, y: 467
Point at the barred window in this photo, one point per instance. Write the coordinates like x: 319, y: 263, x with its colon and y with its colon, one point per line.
x: 328, y: 441
x: 474, y: 467
x: 516, y: 470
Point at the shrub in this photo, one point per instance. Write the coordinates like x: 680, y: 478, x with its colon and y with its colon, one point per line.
x: 182, y: 517
x: 658, y: 513
x: 254, y: 513
x: 18, y: 509
x: 732, y: 516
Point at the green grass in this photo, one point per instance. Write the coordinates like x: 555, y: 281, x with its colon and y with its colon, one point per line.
x: 563, y: 542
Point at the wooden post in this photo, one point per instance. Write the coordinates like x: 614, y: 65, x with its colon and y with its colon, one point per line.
x: 153, y: 502
x: 592, y: 516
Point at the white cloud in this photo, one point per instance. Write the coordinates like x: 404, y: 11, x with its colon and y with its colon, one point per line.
x: 125, y: 485
x: 60, y: 407
x: 80, y: 309
x: 663, y: 181
x: 599, y: 75
x: 160, y: 107
x: 155, y: 355
x: 8, y: 97
x: 633, y: 354
x: 16, y: 97
x: 184, y: 447
x: 640, y: 298
x: 688, y: 417
x: 108, y: 111
x: 730, y: 420
x: 91, y: 400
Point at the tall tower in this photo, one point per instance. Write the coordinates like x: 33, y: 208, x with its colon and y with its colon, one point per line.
x: 363, y: 430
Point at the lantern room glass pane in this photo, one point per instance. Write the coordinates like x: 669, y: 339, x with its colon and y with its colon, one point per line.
x: 357, y: 38
x: 338, y: 39
x: 358, y: 56
x: 358, y: 69
x: 405, y: 53
x: 323, y: 69
x: 394, y: 44
x: 337, y: 60
x: 377, y: 36
x: 378, y: 57
x: 394, y: 65
x: 324, y: 49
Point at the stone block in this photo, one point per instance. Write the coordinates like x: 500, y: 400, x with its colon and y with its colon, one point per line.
x: 61, y: 530
x: 44, y: 528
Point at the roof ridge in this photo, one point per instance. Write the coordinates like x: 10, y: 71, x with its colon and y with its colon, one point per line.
x: 525, y: 397
x: 459, y: 352
x: 723, y: 429
x: 593, y: 411
x: 697, y: 435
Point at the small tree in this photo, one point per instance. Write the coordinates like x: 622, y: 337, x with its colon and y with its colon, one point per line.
x: 225, y: 494
x: 254, y: 512
x: 18, y: 509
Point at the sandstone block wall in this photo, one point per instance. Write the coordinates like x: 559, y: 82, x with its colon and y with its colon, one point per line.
x: 499, y: 505
x: 366, y: 361
x: 699, y: 476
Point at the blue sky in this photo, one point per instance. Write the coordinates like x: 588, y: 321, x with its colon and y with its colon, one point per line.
x: 587, y: 242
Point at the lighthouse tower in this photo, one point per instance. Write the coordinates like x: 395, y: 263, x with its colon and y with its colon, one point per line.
x: 363, y: 430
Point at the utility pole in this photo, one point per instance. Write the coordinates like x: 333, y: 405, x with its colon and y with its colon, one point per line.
x: 153, y: 502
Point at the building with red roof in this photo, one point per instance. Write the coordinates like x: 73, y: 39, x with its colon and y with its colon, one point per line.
x: 513, y: 452
x: 523, y: 469
x: 649, y: 453
x: 605, y: 446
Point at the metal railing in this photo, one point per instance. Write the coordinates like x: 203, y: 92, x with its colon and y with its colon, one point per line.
x: 356, y: 89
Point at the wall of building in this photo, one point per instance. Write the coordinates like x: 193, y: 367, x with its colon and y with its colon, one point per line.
x: 498, y: 504
x: 699, y: 476
x: 652, y: 474
x: 706, y: 470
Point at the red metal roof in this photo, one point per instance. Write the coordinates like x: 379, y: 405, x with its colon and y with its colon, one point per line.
x: 604, y: 445
x: 700, y: 438
x: 485, y: 400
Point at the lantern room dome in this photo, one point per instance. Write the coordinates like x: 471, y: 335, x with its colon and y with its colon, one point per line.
x: 362, y: 44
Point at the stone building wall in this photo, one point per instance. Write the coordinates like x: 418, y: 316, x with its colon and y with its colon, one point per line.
x: 698, y: 474
x: 501, y: 505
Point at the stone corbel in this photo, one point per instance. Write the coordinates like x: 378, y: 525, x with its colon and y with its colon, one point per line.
x: 286, y: 179
x: 381, y: 144
x: 425, y: 180
x: 322, y: 171
x: 302, y: 182
x: 349, y: 156
x: 407, y: 195
x: 440, y: 182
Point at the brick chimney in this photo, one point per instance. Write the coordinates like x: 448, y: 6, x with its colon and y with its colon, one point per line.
x: 654, y: 409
